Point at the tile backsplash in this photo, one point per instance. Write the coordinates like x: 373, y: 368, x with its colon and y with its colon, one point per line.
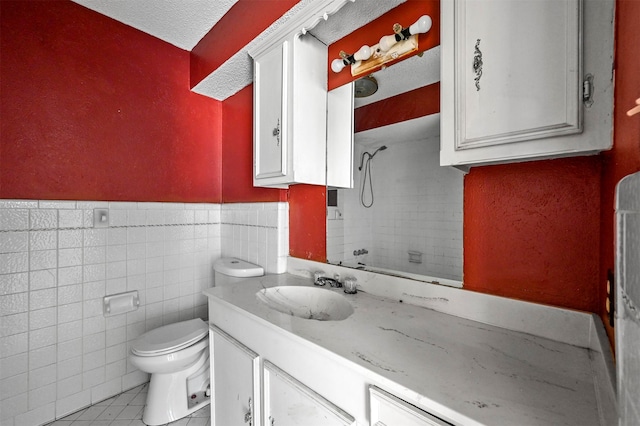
x: 58, y: 352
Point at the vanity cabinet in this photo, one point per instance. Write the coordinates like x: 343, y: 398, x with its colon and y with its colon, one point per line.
x: 514, y: 76
x: 386, y: 409
x: 290, y: 112
x: 235, y: 374
x: 243, y: 382
x: 287, y: 402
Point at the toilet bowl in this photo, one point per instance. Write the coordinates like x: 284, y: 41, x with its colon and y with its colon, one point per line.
x: 177, y: 357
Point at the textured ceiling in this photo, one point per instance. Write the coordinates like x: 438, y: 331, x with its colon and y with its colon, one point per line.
x: 179, y: 22
x: 350, y: 17
x: 184, y: 22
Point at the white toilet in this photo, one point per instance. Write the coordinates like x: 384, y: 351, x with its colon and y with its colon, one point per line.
x: 177, y: 356
x: 229, y: 270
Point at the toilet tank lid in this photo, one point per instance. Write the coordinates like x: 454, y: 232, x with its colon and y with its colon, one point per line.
x: 172, y: 336
x: 233, y: 267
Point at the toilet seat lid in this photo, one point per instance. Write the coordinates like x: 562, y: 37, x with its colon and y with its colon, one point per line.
x: 169, y: 338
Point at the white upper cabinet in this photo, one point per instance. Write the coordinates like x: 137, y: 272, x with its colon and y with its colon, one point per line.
x: 290, y: 113
x: 513, y: 76
x: 340, y: 123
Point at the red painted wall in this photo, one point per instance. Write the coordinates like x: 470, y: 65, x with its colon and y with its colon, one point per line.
x: 237, y: 152
x: 624, y: 158
x: 531, y: 231
x: 570, y: 268
x: 307, y: 222
x: 95, y: 110
x: 242, y: 23
x: 405, y: 106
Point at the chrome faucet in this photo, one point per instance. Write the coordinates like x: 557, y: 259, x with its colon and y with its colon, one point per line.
x: 324, y: 280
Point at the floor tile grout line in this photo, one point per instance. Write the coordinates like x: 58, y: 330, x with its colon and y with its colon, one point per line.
x: 75, y: 419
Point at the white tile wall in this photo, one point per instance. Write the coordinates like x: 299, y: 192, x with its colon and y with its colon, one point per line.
x: 417, y: 206
x: 58, y: 352
x: 258, y: 233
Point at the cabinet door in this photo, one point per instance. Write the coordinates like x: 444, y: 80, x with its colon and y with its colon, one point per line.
x: 512, y: 79
x: 235, y: 374
x: 519, y: 70
x: 270, y: 126
x: 288, y: 402
x: 388, y: 410
x: 340, y: 137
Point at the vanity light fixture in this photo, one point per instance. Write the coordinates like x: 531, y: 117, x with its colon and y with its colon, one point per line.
x: 421, y: 26
x: 345, y: 59
x: 390, y: 48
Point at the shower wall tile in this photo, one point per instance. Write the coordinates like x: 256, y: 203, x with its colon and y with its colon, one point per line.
x: 42, y: 318
x: 58, y: 352
x: 14, y: 324
x: 11, y: 263
x: 417, y: 206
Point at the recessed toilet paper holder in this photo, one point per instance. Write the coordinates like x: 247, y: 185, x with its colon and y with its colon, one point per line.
x: 120, y: 303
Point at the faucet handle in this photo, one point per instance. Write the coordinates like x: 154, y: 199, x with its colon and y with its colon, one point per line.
x: 350, y: 285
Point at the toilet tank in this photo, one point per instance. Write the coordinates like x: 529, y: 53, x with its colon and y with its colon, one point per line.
x: 229, y: 270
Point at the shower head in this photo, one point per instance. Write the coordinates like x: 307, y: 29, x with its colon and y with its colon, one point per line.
x: 382, y: 148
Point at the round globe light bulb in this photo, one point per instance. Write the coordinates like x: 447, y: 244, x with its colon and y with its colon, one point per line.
x: 421, y: 26
x: 337, y: 65
x: 363, y: 54
x: 387, y: 42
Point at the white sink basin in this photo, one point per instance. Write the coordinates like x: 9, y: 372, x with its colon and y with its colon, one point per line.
x: 307, y: 302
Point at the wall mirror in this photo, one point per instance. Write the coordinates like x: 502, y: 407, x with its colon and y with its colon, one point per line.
x: 404, y: 214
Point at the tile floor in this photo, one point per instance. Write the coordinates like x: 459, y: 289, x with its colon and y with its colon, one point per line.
x: 125, y: 410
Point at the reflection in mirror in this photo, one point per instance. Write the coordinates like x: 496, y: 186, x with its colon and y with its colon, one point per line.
x: 404, y: 214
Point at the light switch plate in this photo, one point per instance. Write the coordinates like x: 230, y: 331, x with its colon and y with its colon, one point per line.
x: 100, y: 218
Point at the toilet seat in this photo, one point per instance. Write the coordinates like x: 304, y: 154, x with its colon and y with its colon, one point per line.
x: 170, y: 338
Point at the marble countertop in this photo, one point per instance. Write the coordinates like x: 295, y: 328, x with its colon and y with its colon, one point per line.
x: 483, y: 374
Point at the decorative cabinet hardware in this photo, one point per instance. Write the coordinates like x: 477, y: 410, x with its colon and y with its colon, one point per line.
x: 477, y: 64
x: 276, y: 132
x: 587, y: 91
x: 248, y: 417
